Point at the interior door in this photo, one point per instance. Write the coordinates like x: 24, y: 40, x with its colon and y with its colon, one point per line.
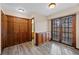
x: 30, y: 29
x: 16, y: 31
x: 10, y: 30
x: 22, y: 25
x: 56, y: 26
x: 3, y: 30
x: 26, y: 30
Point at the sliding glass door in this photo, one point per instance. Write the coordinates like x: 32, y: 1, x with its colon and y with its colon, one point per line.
x: 56, y: 29
x: 67, y: 30
x: 63, y: 30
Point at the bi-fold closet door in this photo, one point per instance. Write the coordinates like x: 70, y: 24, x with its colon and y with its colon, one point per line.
x: 64, y: 30
x: 15, y: 30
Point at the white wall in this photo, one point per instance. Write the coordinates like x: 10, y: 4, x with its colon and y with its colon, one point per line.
x: 41, y: 24
x: 49, y: 25
x: 69, y: 11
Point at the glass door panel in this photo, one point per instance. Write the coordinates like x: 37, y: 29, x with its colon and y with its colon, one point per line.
x: 56, y: 29
x: 61, y: 30
x: 67, y: 30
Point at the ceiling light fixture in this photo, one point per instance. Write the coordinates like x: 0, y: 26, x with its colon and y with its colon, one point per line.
x: 21, y: 10
x: 52, y: 5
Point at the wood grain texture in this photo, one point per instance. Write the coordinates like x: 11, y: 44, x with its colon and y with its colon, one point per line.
x: 74, y: 30
x: 3, y: 30
x: 15, y: 30
x: 42, y: 37
x: 48, y: 48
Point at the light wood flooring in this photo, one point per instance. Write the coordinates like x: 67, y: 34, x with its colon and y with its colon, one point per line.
x: 49, y: 48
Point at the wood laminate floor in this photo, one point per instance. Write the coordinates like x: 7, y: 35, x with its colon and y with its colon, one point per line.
x: 49, y: 48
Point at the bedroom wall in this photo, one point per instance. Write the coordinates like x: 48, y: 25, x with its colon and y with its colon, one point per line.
x: 41, y: 23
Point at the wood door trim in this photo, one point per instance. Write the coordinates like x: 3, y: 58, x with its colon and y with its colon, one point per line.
x: 74, y: 30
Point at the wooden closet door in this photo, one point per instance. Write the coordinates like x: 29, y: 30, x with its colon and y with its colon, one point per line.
x: 30, y: 29
x: 16, y: 31
x: 26, y: 30
x: 21, y: 27
x: 10, y: 31
x: 23, y: 32
x: 3, y: 30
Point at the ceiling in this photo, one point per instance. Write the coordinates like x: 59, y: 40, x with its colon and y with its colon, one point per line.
x: 41, y: 8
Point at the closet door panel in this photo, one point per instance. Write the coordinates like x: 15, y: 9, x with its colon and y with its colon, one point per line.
x: 10, y: 31
x: 21, y: 29
x: 16, y: 32
x: 20, y: 33
x: 30, y: 30
x: 3, y: 30
x: 26, y: 28
x: 24, y: 35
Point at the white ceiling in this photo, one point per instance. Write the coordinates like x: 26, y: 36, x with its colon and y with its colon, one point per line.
x: 41, y: 8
